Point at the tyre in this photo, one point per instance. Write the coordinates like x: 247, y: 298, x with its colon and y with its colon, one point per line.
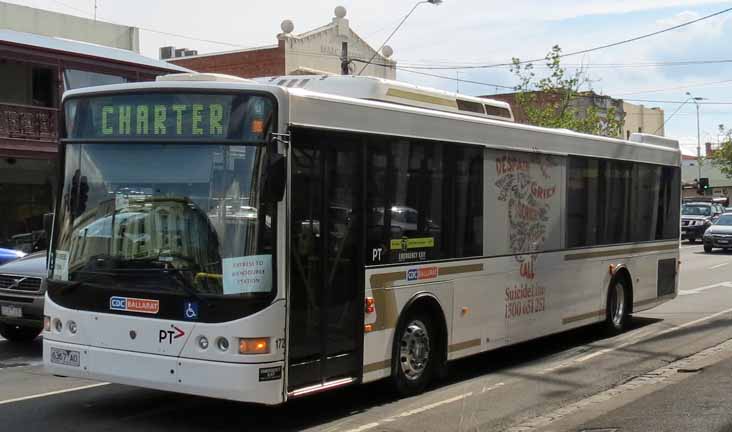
x: 708, y: 248
x: 15, y: 333
x: 415, y: 354
x: 617, y: 310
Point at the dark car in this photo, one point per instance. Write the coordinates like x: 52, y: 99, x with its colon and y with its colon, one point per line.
x: 696, y: 217
x: 719, y: 235
x: 22, y: 289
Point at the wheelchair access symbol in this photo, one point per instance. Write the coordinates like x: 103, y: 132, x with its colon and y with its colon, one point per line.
x: 190, y: 310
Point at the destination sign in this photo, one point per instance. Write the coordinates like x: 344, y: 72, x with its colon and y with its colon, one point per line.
x: 170, y: 115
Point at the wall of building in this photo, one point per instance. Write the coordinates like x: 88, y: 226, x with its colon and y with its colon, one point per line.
x: 321, y: 50
x: 581, y: 104
x: 41, y: 22
x: 317, y: 51
x: 245, y: 63
x: 639, y: 118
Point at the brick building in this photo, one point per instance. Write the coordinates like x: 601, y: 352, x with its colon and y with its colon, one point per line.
x: 581, y: 103
x: 317, y: 51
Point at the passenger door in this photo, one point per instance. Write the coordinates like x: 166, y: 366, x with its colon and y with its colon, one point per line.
x: 326, y: 262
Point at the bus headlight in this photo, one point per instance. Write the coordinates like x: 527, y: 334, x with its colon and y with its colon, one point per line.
x: 203, y: 342
x: 72, y: 327
x: 223, y: 344
x: 58, y: 325
x: 254, y: 346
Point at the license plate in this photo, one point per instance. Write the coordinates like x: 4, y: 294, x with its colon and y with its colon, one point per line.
x: 65, y: 357
x: 11, y: 311
x: 722, y: 241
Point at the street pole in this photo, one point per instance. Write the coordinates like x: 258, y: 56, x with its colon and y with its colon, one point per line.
x: 698, y: 141
x: 344, y: 58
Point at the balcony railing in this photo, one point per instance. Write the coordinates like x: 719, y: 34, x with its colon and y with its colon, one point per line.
x: 28, y: 122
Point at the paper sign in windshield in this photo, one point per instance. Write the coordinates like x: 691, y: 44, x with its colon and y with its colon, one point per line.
x: 61, y: 266
x: 249, y: 274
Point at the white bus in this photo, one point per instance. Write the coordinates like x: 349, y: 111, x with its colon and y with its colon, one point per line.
x: 262, y: 241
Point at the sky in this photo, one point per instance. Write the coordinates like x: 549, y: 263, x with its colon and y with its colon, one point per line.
x: 480, y: 32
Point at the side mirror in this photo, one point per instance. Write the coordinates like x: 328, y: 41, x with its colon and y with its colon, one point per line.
x: 274, y: 178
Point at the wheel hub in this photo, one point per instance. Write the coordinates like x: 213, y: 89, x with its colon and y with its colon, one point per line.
x: 414, y: 350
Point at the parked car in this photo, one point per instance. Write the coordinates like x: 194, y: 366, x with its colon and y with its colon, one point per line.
x: 7, y: 255
x: 22, y: 289
x: 696, y: 217
x: 719, y: 235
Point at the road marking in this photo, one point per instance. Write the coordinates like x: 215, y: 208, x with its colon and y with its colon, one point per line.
x: 41, y: 395
x: 655, y: 377
x: 718, y: 266
x: 493, y: 387
x: 638, y: 339
x: 727, y: 284
x: 410, y: 413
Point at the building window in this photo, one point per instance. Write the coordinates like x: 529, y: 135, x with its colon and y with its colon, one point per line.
x: 75, y: 78
x: 26, y: 84
x: 26, y: 193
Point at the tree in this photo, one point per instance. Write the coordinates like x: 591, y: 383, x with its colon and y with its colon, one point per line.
x: 722, y: 157
x: 552, y: 101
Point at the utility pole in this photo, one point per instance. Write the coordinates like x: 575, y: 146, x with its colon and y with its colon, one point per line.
x: 344, y: 58
x: 457, y: 81
x: 95, y: 10
x: 698, y: 133
x: 698, y: 141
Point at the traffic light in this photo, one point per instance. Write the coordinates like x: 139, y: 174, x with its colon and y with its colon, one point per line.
x: 702, y: 185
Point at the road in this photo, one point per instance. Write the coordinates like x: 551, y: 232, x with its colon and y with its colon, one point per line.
x: 670, y: 371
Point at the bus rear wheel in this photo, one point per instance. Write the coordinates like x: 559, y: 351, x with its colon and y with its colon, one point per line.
x: 617, y: 311
x: 15, y: 333
x: 414, y: 357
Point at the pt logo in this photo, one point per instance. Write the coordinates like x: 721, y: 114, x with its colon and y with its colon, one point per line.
x: 169, y: 335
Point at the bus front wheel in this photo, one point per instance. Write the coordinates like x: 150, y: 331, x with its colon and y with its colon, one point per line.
x: 414, y: 358
x: 617, y: 311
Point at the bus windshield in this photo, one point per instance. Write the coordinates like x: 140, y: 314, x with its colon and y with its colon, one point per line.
x: 187, y: 208
x: 174, y: 215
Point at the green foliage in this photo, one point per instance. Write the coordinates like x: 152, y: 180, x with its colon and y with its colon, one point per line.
x: 551, y: 101
x: 722, y: 157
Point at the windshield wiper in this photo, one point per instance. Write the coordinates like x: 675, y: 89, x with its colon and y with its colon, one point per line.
x: 184, y: 283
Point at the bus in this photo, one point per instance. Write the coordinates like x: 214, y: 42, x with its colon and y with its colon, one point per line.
x: 265, y: 240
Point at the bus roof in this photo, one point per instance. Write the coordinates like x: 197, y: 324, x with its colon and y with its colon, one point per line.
x: 347, y: 113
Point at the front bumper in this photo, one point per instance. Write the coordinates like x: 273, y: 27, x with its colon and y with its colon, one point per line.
x: 30, y: 304
x: 233, y: 381
x: 696, y: 231
x: 718, y: 242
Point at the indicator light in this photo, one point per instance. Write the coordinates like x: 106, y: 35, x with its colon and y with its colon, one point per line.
x: 46, y: 323
x: 257, y: 126
x: 254, y: 346
x: 370, y: 305
x: 368, y: 328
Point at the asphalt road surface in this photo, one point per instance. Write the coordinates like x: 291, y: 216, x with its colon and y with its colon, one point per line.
x: 671, y: 371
